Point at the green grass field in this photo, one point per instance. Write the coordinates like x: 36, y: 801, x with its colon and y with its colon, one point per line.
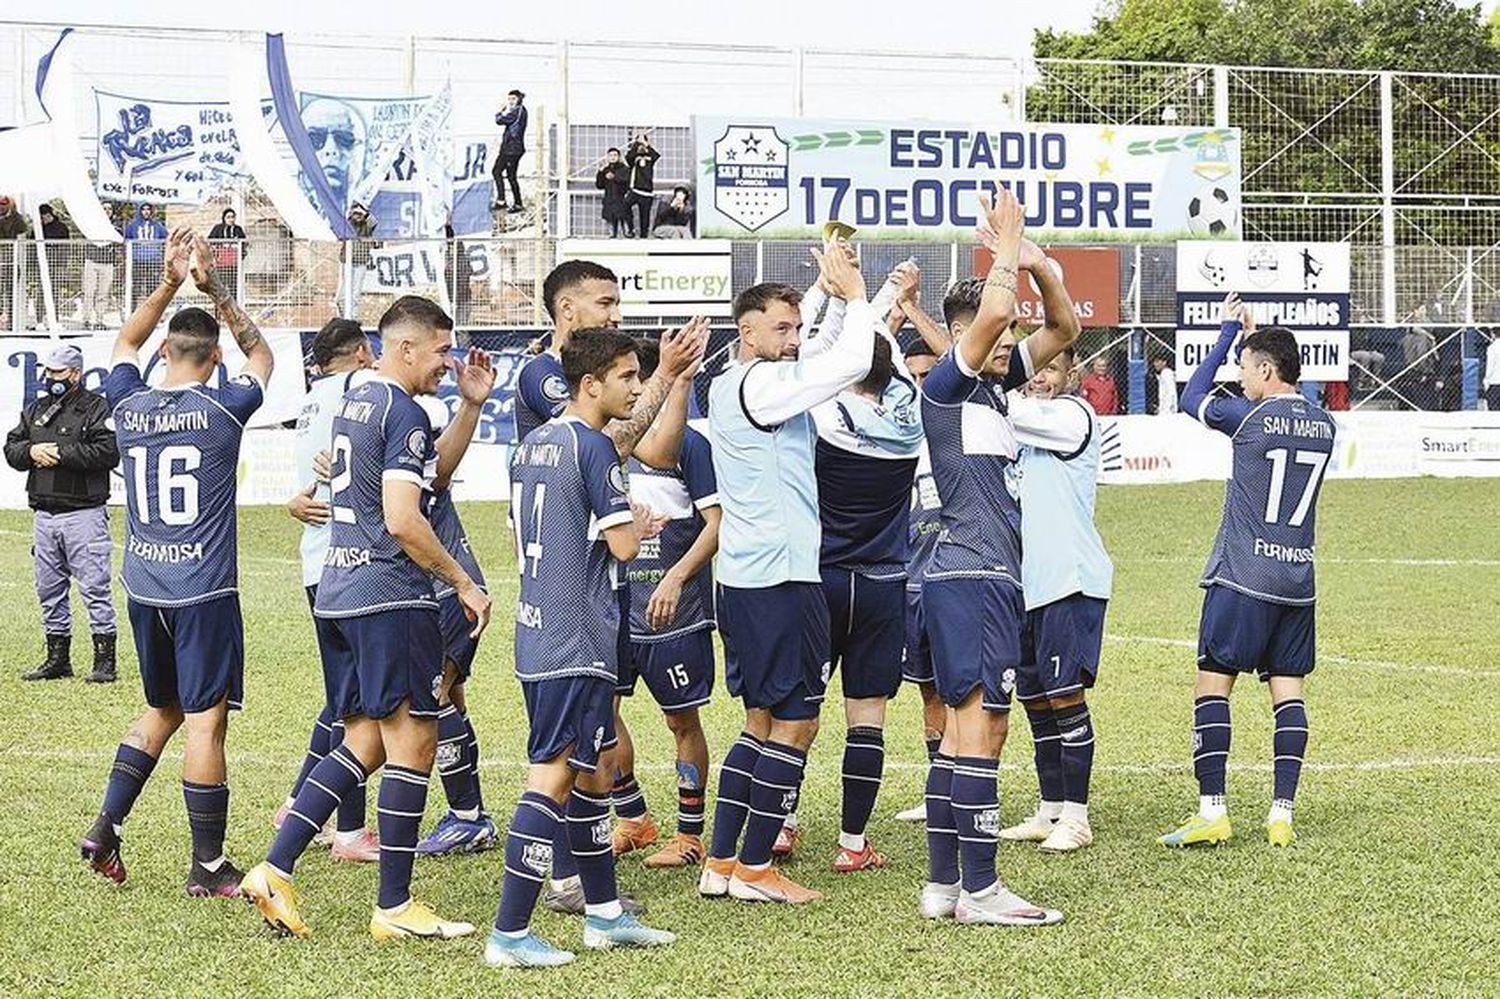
x: 1389, y: 890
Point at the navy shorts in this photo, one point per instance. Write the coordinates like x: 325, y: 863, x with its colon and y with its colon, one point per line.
x: 192, y: 656
x: 1060, y: 648
x: 867, y: 631
x: 974, y: 627
x: 917, y: 665
x: 1239, y: 633
x: 373, y: 662
x: 776, y: 647
x: 679, y: 671
x: 457, y: 645
x: 570, y: 714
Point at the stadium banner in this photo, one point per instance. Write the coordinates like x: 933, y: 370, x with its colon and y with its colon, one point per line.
x: 408, y: 269
x: 1092, y: 277
x: 165, y: 152
x: 782, y: 178
x: 1303, y: 287
x: 669, y: 277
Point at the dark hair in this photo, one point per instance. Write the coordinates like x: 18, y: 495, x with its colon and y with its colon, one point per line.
x: 569, y: 274
x: 612, y: 149
x: 337, y: 338
x: 45, y: 209
x: 758, y: 296
x: 517, y: 95
x: 649, y: 351
x: 881, y: 368
x: 962, y: 300
x: 192, y: 335
x: 918, y: 348
x: 415, y: 309
x: 228, y: 212
x: 686, y: 193
x: 594, y: 352
x: 1280, y: 347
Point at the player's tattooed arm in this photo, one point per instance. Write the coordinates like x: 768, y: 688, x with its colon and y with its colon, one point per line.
x: 681, y: 351
x: 1003, y: 222
x: 259, y: 360
x: 1060, y: 326
x: 401, y: 503
x: 143, y: 321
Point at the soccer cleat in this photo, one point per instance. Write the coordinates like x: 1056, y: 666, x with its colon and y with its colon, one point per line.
x: 786, y: 841
x: 681, y: 850
x: 938, y: 900
x: 101, y: 849
x: 276, y: 898
x: 569, y: 898
x: 848, y: 861
x: 916, y: 813
x: 714, y: 881
x: 415, y: 919
x: 768, y: 884
x: 1068, y: 835
x: 455, y: 835
x: 364, y: 849
x: 1280, y: 833
x: 997, y: 905
x: 622, y: 931
x: 328, y: 833
x: 634, y: 834
x: 529, y: 951
x: 222, y: 883
x: 1197, y: 830
x: 1033, y: 829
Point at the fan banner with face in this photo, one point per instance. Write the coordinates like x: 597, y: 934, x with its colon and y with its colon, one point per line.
x: 783, y: 178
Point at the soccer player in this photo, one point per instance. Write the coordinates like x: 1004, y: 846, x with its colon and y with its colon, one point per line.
x: 971, y: 595
x: 1066, y: 577
x: 1259, y: 599
x: 378, y: 626
x: 771, y: 605
x: 181, y: 444
x: 671, y: 628
x: 573, y: 528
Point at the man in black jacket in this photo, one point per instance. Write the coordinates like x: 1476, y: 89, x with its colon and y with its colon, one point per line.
x: 67, y: 449
x: 512, y: 121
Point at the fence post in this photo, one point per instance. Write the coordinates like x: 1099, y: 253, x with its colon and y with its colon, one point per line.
x: 1221, y: 96
x: 564, y: 147
x: 1387, y: 201
x: 129, y: 297
x: 799, y: 69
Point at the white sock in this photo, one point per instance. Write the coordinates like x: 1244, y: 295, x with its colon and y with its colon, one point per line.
x: 212, y: 865
x: 1212, y: 806
x: 467, y: 814
x: 563, y: 884
x: 290, y: 801
x: 119, y: 828
x: 396, y: 910
x: 1050, y: 810
x: 1281, y: 810
x: 605, y: 910
x: 1076, y: 810
x: 853, y: 842
x: 790, y: 821
x: 515, y: 934
x: 348, y: 838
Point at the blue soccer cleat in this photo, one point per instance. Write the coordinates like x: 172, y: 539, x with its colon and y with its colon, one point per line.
x: 456, y: 835
x: 530, y: 951
x: 622, y: 931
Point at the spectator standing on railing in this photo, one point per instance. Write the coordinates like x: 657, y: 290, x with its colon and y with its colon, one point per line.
x: 674, y: 220
x: 12, y: 227
x: 1492, y: 373
x: 512, y: 120
x: 614, y: 181
x: 641, y: 158
x: 1098, y: 388
x: 228, y: 239
x: 147, y: 237
x: 363, y: 224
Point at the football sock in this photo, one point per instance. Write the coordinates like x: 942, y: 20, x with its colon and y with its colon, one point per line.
x: 1211, y: 752
x: 564, y: 866
x: 1076, y: 738
x: 208, y: 813
x: 1290, y: 745
x: 131, y: 770
x: 732, y: 803
x: 942, y: 834
x: 976, y: 813
x: 317, y: 748
x: 1046, y: 750
x: 473, y: 754
x: 528, y: 855
x: 587, y: 819
x: 453, y: 764
x: 401, y: 801
x: 629, y: 801
x: 335, y: 776
x: 864, y: 762
x: 933, y: 742
x: 773, y: 793
x: 690, y: 795
x: 351, y: 810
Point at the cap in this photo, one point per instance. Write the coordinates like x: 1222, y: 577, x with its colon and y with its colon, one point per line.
x: 62, y: 356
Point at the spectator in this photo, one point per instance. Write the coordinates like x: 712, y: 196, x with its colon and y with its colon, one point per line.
x: 1098, y: 388
x: 363, y: 225
x: 66, y: 446
x: 1336, y: 397
x: 1418, y: 360
x: 674, y: 220
x: 12, y: 227
x: 52, y: 226
x: 147, y: 237
x: 59, y: 272
x: 512, y: 120
x: 228, y: 239
x: 641, y: 159
x: 1164, y: 398
x: 12, y: 223
x: 98, y: 277
x: 612, y: 180
x: 1492, y: 373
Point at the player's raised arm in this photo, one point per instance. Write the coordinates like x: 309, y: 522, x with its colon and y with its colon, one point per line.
x: 680, y: 350
x: 176, y: 262
x: 475, y: 376
x: 259, y: 360
x: 1004, y: 220
x: 1060, y: 326
x: 1219, y: 414
x: 401, y: 502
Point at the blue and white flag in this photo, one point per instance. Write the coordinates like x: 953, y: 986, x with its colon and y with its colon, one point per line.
x: 165, y: 152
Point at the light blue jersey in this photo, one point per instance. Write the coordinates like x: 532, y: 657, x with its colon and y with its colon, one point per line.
x: 315, y: 434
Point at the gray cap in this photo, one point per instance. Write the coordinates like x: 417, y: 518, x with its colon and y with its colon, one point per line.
x: 64, y: 355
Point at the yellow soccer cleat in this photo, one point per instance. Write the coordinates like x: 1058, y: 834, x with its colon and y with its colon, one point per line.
x: 1197, y: 831
x: 276, y: 899
x: 1279, y: 833
x: 415, y: 919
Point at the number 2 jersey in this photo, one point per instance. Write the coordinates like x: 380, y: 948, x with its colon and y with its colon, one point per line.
x: 1265, y: 544
x: 181, y: 449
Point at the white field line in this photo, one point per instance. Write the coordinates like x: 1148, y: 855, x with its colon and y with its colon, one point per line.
x: 1408, y: 562
x: 1380, y: 664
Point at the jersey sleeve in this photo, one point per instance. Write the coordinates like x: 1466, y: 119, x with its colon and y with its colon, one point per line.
x: 1021, y: 367
x: 948, y: 382
x: 408, y: 444
x: 697, y: 464
x: 1062, y: 425
x: 1224, y: 413
x: 242, y: 395
x: 604, y: 478
x: 542, y: 389
x: 123, y: 381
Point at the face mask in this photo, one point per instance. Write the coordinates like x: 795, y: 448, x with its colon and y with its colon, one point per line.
x: 57, y: 386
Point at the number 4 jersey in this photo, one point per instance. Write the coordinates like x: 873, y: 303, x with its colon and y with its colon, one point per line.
x: 1265, y: 544
x: 181, y: 449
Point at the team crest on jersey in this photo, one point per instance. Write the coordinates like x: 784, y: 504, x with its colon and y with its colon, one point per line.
x: 601, y: 833
x: 617, y: 478
x: 988, y: 822
x: 537, y: 856
x: 598, y: 738
x: 751, y: 177
x: 437, y: 686
x: 1008, y: 681
x: 416, y: 442
x: 448, y: 754
x: 826, y: 671
x: 555, y: 387
x: 789, y: 801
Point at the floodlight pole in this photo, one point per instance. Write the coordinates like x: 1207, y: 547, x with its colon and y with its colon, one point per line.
x: 1387, y: 202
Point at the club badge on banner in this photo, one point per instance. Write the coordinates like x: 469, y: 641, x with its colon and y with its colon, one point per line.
x: 164, y: 152
x: 1302, y: 287
x: 670, y: 277
x: 784, y: 177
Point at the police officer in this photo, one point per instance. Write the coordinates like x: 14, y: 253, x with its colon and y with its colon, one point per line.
x: 67, y: 449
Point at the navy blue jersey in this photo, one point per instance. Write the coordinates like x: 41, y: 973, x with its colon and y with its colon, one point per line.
x: 567, y: 487
x: 923, y: 523
x: 678, y: 494
x: 541, y: 393
x: 181, y: 449
x: 862, y: 503
x: 449, y: 529
x: 379, y: 433
x: 1266, y: 543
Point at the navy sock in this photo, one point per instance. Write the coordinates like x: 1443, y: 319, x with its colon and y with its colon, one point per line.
x: 629, y: 800
x: 1290, y: 745
x: 317, y: 747
x: 564, y: 865
x: 208, y: 813
x: 453, y: 762
x: 732, y: 803
x: 1046, y: 749
x: 1211, y: 743
x: 773, y: 795
x: 690, y: 796
x: 473, y: 754
x: 131, y: 770
x: 528, y: 856
x: 976, y: 813
x: 402, y: 799
x: 335, y: 776
x: 864, y: 762
x: 932, y: 747
x: 1076, y: 737
x: 351, y: 810
x: 942, y: 834
x: 589, y: 837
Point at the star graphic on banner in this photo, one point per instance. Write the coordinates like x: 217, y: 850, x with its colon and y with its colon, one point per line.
x: 731, y: 153
x: 1107, y: 134
x: 1103, y: 166
x: 752, y: 142
x: 770, y: 155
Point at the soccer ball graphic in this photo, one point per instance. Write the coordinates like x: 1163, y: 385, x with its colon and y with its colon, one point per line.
x: 1213, y: 212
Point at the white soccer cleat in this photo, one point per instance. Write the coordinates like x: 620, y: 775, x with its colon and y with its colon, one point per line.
x: 714, y: 881
x: 938, y: 900
x: 917, y: 813
x: 997, y: 905
x: 1068, y: 835
x: 1034, y: 829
